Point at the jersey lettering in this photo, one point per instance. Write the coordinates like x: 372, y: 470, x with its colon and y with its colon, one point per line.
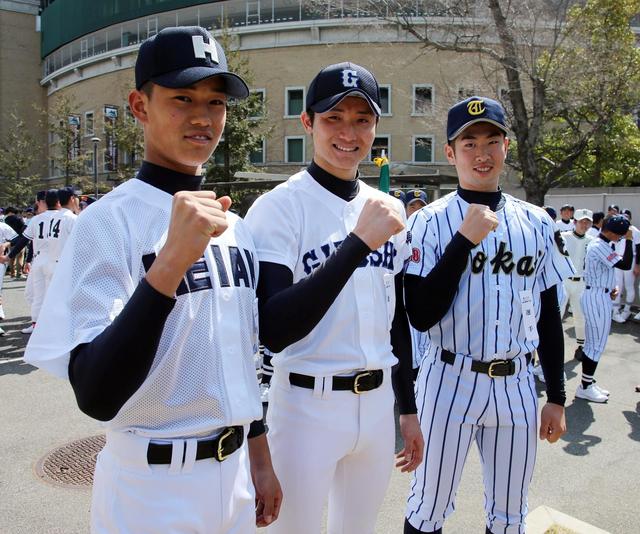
x: 383, y: 257
x: 201, y: 49
x: 199, y: 278
x: 503, y: 261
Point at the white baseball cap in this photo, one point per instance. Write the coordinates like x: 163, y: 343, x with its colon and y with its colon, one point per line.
x: 583, y: 214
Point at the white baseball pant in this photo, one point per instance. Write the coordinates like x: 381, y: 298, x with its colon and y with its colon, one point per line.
x: 574, y: 291
x: 626, y: 282
x: 3, y: 269
x: 457, y: 406
x: 37, y: 284
x: 334, y: 444
x: 597, y: 307
x: 202, y: 497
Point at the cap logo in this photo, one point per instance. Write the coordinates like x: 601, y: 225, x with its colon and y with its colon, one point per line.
x: 475, y: 107
x: 349, y: 78
x: 201, y: 49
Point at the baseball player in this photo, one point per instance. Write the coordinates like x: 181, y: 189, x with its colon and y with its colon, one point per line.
x: 597, y: 298
x: 576, y: 242
x: 566, y: 222
x: 41, y: 231
x: 150, y: 314
x: 331, y: 252
x: 7, y: 234
x: 626, y: 280
x: 482, y: 282
x: 415, y: 200
x: 598, y: 217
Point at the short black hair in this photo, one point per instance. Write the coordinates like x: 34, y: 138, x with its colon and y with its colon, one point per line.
x: 11, y: 209
x: 40, y: 195
x: 597, y: 216
x: 147, y: 88
x: 51, y: 198
x: 65, y: 194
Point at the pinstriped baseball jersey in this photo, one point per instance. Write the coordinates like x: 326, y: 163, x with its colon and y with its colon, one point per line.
x: 599, y: 262
x: 516, y: 261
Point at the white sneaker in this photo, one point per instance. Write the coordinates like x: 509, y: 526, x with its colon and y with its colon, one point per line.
x: 637, y: 316
x: 264, y: 393
x: 591, y: 394
x: 601, y: 390
x: 28, y: 329
x: 619, y: 317
x: 2, y: 332
x: 1, y: 312
x: 537, y: 371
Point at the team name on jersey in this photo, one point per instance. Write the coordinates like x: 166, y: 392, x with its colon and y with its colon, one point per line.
x: 199, y: 278
x: 383, y: 257
x: 503, y: 261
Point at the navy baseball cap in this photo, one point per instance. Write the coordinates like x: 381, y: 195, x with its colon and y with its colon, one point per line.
x: 399, y: 194
x: 183, y: 56
x: 472, y: 110
x: 335, y: 82
x: 416, y: 194
x: 551, y: 212
x: 618, y: 224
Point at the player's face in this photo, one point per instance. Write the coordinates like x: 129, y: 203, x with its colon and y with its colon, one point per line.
x: 182, y: 127
x: 342, y: 136
x: 582, y: 226
x: 479, y: 156
x: 414, y: 206
x: 565, y: 214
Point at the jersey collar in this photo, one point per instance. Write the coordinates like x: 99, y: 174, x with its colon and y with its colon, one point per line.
x: 494, y: 199
x: 168, y: 180
x: 347, y: 190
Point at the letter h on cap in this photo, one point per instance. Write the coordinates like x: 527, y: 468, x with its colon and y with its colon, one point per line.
x: 201, y: 49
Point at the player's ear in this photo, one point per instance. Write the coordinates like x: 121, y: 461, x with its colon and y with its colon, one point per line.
x: 307, y: 123
x: 138, y: 105
x: 450, y: 153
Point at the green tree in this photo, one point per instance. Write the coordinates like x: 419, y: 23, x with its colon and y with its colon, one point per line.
x: 17, y: 155
x: 129, y: 139
x: 62, y: 122
x: 246, y: 124
x: 530, y: 44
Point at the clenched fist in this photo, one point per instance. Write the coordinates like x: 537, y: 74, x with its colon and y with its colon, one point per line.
x: 478, y: 222
x: 196, y: 217
x: 378, y: 221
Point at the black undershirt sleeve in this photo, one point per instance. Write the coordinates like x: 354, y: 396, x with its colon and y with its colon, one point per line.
x: 402, y: 373
x: 107, y: 371
x: 439, y: 287
x: 638, y: 254
x: 18, y: 244
x: 627, y: 259
x: 551, y: 346
x: 302, y: 305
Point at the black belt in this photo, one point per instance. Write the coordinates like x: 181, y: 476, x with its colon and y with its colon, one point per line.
x: 220, y: 448
x: 575, y: 278
x: 605, y: 289
x: 493, y: 368
x: 359, y: 383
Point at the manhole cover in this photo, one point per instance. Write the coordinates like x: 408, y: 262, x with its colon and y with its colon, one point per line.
x: 71, y: 465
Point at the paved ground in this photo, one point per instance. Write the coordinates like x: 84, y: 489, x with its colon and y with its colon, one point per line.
x: 591, y: 474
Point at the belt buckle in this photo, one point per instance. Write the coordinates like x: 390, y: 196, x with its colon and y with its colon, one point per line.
x: 220, y: 456
x: 356, y: 385
x: 495, y: 362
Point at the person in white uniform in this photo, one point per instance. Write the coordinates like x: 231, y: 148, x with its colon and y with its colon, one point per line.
x: 151, y: 316
x: 566, y: 222
x: 332, y: 252
x: 626, y: 280
x: 7, y: 234
x: 576, y: 242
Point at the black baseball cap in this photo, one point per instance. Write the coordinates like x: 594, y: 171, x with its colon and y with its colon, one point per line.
x: 416, y: 194
x: 335, y: 82
x: 183, y: 56
x: 613, y: 207
x: 65, y: 194
x: 618, y: 224
x: 472, y: 110
x: 551, y: 212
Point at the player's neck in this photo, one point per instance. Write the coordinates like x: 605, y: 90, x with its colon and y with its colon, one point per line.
x: 493, y: 199
x: 168, y: 180
x: 347, y: 190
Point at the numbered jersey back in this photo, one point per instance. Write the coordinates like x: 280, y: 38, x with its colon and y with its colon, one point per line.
x: 42, y: 229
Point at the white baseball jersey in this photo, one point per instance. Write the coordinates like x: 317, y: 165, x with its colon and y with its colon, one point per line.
x: 599, y: 262
x: 635, y: 240
x: 61, y: 224
x: 502, y: 283
x: 203, y: 376
x: 6, y: 233
x: 565, y: 226
x: 593, y: 231
x: 40, y: 228
x: 299, y: 224
x: 576, y: 246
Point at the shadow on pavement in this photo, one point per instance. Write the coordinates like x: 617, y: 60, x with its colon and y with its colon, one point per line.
x: 579, y: 416
x: 16, y: 368
x: 633, y: 418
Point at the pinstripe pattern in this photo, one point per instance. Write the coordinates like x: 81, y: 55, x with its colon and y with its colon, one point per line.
x: 457, y: 406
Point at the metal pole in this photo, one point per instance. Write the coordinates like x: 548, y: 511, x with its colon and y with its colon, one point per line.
x: 95, y: 141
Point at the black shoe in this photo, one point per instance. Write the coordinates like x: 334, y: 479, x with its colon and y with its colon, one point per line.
x: 578, y: 353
